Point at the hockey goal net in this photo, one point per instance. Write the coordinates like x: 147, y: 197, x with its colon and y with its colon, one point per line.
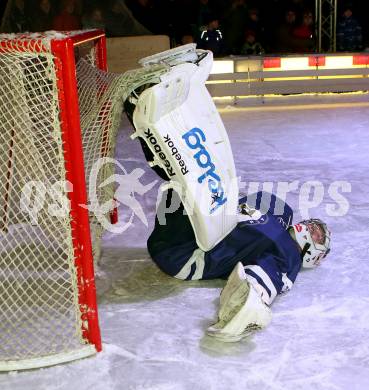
x: 59, y: 114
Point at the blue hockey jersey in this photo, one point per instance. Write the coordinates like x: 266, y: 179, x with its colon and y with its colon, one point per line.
x: 270, y: 256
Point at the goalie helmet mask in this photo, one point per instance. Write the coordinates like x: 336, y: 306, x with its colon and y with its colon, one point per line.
x: 313, y: 237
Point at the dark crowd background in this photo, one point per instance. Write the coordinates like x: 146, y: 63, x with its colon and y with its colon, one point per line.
x: 227, y: 27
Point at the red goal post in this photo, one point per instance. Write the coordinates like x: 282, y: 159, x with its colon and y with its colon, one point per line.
x: 59, y: 116
x: 74, y: 164
x: 42, y: 308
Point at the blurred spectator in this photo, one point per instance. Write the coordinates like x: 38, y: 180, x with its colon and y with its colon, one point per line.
x: 186, y: 39
x: 79, y: 6
x: 42, y: 16
x: 349, y: 36
x: 251, y: 45
x: 2, y: 9
x: 234, y: 26
x: 146, y: 13
x: 305, y: 33
x: 285, y: 41
x: 67, y: 20
x: 203, y: 11
x: 119, y: 21
x: 254, y: 24
x: 175, y: 18
x: 18, y: 20
x: 298, y: 6
x: 271, y: 12
x: 212, y: 38
x: 186, y: 35
x: 93, y: 18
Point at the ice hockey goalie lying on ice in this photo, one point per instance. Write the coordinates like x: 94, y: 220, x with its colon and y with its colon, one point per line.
x: 247, y: 241
x: 261, y: 258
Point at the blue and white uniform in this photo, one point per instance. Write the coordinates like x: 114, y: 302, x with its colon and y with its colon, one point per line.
x: 270, y: 256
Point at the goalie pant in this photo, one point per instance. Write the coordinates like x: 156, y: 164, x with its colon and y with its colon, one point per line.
x: 270, y: 256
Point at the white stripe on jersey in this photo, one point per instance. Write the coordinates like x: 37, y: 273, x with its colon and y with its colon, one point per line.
x: 256, y: 269
x: 198, y: 257
x: 287, y: 283
x: 259, y: 288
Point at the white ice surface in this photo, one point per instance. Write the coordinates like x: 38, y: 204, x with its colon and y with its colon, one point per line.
x: 153, y: 325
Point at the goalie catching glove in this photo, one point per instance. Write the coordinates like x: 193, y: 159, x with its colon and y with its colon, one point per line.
x: 242, y: 311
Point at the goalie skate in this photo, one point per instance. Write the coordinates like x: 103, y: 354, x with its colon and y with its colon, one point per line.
x: 241, y: 311
x: 178, y: 55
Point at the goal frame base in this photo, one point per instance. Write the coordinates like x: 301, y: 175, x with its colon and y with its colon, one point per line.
x: 47, y: 361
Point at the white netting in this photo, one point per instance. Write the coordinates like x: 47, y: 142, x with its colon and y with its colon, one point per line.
x: 39, y: 310
x: 101, y: 98
x: 38, y: 293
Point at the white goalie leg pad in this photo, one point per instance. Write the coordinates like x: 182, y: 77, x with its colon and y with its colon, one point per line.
x: 242, y: 310
x: 180, y: 124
